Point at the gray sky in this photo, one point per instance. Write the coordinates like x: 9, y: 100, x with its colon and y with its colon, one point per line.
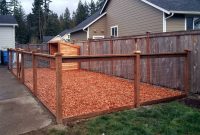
x: 57, y: 6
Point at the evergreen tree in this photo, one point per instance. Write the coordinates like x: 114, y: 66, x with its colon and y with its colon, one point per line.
x: 38, y: 19
x: 21, y: 30
x: 100, y: 4
x: 67, y: 19
x: 14, y: 5
x: 46, y: 14
x: 92, y: 7
x: 81, y: 12
x: 53, y: 25
x: 4, y: 8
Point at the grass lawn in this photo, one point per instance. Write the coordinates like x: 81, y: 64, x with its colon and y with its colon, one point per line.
x: 166, y: 119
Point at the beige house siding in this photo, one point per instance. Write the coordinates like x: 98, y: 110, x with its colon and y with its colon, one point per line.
x: 175, y: 24
x: 98, y: 28
x: 133, y: 17
x: 78, y: 36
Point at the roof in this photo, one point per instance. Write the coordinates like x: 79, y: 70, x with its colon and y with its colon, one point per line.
x: 170, y: 6
x: 178, y: 5
x: 47, y: 38
x: 67, y: 31
x: 7, y: 20
x: 86, y: 22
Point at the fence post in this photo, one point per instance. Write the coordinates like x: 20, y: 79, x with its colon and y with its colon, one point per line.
x: 8, y: 66
x: 11, y: 60
x: 186, y: 73
x: 17, y: 55
x: 148, y: 52
x: 58, y: 61
x: 34, y: 64
x: 112, y: 52
x: 137, y: 79
x: 22, y: 66
x: 89, y: 48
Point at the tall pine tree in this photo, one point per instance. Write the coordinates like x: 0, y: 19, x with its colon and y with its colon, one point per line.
x: 100, y: 4
x: 38, y: 19
x: 92, y: 7
x: 4, y: 8
x: 81, y: 12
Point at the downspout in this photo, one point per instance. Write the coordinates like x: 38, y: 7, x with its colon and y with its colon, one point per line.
x: 87, y: 32
x: 172, y: 14
x: 165, y: 21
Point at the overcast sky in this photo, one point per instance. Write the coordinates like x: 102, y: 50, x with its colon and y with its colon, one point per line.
x: 57, y: 6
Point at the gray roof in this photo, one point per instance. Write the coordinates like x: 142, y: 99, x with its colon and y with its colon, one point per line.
x: 7, y: 19
x: 178, y: 5
x: 47, y: 38
x: 86, y: 22
x: 67, y: 31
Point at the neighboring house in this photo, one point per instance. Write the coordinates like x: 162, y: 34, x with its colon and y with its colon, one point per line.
x: 132, y: 17
x: 7, y: 31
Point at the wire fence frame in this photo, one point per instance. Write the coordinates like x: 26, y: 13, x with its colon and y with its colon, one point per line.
x: 59, y: 59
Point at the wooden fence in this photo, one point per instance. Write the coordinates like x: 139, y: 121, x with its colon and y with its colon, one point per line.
x: 43, y: 48
x: 137, y: 57
x: 148, y: 44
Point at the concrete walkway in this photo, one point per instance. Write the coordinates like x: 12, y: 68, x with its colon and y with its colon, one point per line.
x: 19, y: 111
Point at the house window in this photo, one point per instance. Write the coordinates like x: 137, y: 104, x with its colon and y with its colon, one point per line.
x: 193, y: 23
x: 98, y: 37
x: 114, y: 31
x: 196, y: 23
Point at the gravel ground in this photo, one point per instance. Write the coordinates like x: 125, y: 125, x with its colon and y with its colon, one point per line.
x: 86, y: 92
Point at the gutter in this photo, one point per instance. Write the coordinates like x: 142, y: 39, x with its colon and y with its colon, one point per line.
x: 172, y: 14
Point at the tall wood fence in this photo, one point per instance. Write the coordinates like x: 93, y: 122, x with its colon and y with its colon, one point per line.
x: 31, y: 47
x: 147, y: 44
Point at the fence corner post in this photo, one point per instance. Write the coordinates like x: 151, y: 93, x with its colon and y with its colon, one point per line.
x: 137, y: 79
x: 59, y: 110
x: 34, y: 64
x: 186, y: 73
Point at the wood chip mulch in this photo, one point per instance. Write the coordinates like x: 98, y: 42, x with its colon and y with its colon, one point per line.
x: 87, y: 92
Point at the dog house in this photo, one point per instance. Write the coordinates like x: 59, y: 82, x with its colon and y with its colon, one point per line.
x: 66, y: 49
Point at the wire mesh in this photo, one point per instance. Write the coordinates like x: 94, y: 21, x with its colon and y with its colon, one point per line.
x: 14, y: 63
x: 46, y: 82
x: 28, y: 71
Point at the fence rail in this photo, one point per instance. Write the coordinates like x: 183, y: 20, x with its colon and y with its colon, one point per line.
x: 23, y: 63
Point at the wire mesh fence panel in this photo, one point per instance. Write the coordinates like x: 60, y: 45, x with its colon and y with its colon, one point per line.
x: 46, y: 82
x: 28, y: 71
x: 14, y: 63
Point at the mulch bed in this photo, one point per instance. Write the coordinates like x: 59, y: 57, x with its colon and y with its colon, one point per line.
x: 87, y: 92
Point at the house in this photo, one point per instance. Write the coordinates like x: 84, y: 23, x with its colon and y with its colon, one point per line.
x: 7, y: 31
x: 132, y: 17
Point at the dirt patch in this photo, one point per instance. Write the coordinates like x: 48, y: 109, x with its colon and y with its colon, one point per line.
x: 192, y: 102
x: 88, y: 92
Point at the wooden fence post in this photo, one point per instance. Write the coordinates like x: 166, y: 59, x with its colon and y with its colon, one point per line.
x: 112, y: 52
x: 22, y: 66
x: 17, y: 56
x: 34, y: 65
x: 137, y: 79
x: 148, y: 52
x: 8, y: 66
x: 89, y: 48
x: 186, y: 73
x: 58, y: 61
x: 11, y: 61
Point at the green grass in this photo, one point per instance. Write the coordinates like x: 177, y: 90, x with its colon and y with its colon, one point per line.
x: 166, y: 119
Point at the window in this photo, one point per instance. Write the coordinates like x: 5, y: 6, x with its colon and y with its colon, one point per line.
x: 196, y: 23
x: 190, y: 23
x: 193, y: 23
x: 114, y: 31
x: 98, y: 37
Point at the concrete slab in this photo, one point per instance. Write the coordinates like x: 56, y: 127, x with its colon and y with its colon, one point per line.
x: 19, y: 111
